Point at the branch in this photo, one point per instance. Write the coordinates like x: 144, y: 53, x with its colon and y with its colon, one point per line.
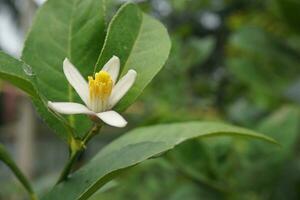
x: 76, y: 147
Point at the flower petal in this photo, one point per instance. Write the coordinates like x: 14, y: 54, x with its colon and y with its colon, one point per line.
x: 112, y: 118
x: 121, y: 88
x: 76, y: 80
x: 69, y: 108
x: 113, y: 68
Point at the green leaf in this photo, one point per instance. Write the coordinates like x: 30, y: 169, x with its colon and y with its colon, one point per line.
x: 135, y: 147
x: 5, y: 157
x: 17, y: 73
x: 198, y: 157
x: 255, y: 158
x: 69, y: 28
x: 141, y: 42
x: 21, y: 75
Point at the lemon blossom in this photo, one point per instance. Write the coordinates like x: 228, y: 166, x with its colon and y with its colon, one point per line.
x: 100, y: 94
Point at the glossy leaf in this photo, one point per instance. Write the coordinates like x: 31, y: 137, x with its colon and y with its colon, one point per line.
x: 141, y: 42
x: 254, y: 158
x: 135, y: 147
x: 69, y: 28
x: 17, y: 73
x: 21, y: 75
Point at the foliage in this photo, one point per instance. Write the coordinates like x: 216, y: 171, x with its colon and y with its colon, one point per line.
x: 240, y: 70
x: 135, y: 147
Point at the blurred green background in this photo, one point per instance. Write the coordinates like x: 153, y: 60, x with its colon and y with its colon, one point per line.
x: 231, y: 60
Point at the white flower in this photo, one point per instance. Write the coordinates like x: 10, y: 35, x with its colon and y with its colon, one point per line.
x: 100, y: 94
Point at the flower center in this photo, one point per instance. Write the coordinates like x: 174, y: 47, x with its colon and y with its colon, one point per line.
x: 100, y: 89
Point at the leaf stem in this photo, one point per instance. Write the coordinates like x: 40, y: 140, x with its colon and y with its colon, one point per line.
x: 76, y: 147
x: 5, y: 157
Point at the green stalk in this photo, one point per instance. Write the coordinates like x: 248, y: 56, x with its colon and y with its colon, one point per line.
x: 76, y: 147
x: 68, y: 167
x: 5, y: 157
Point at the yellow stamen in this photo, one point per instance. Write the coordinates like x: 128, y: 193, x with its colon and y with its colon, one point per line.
x: 101, y: 86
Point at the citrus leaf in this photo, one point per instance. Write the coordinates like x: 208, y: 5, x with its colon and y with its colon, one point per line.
x: 17, y: 73
x: 141, y: 42
x: 21, y: 75
x: 135, y: 147
x: 72, y: 29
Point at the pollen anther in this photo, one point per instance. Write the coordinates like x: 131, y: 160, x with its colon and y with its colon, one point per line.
x: 100, y: 87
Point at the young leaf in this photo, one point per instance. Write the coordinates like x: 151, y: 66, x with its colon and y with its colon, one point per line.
x: 135, y: 147
x: 141, y: 42
x: 69, y: 28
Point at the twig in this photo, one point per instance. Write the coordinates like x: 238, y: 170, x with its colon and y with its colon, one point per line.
x: 68, y: 167
x: 76, y: 147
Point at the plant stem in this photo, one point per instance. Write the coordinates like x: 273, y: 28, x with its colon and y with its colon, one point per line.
x: 94, y: 130
x: 5, y: 157
x: 76, y: 147
x: 68, y: 167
